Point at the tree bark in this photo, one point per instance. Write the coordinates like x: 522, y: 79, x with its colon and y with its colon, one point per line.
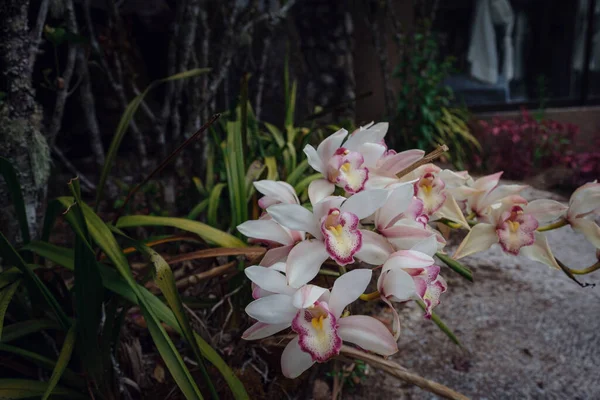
x: 21, y: 140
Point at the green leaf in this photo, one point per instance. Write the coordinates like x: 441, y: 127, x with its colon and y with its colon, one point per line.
x: 253, y: 173
x: 53, y: 209
x: 456, y: 266
x: 25, y: 388
x: 271, y: 164
x: 61, y: 362
x: 206, y: 232
x: 198, y: 209
x: 6, y: 294
x: 276, y: 133
x: 303, y: 184
x: 125, y: 121
x: 20, y: 329
x: 14, y: 189
x: 233, y: 153
x: 35, y: 284
x: 213, y: 204
x: 59, y: 255
x: 443, y: 327
x: 68, y: 377
x: 198, y: 183
x: 297, y: 173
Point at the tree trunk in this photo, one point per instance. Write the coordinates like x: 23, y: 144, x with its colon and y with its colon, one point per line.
x: 20, y: 119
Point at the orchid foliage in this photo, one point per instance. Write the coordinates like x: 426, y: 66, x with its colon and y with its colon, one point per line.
x: 376, y: 216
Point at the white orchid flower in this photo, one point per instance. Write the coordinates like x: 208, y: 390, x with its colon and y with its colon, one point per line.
x: 514, y: 229
x: 347, y: 165
x: 265, y: 230
x: 584, y: 207
x: 334, y: 225
x: 321, y: 331
x: 488, y: 192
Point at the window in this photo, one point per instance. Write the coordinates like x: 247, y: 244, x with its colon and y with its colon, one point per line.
x: 519, y: 52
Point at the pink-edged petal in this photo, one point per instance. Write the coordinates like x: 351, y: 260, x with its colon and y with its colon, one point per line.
x: 516, y: 232
x: 584, y: 200
x: 269, y: 279
x: 317, y: 332
x: 488, y: 182
x: 431, y: 298
x: 540, y: 251
x: 304, y: 262
x: 431, y: 190
x: 481, y: 237
x: 265, y: 229
x: 276, y: 255
x: 395, y: 318
x: 273, y: 309
x: 374, y: 134
x: 589, y: 228
x: 397, y: 285
x: 346, y: 169
x: 294, y: 361
x: 375, y: 248
x: 451, y: 210
x: 307, y: 295
x: 365, y: 203
x: 330, y: 144
x: 342, y: 237
x: 380, y: 181
x: 368, y: 333
x: 398, y: 201
x: 372, y: 152
x: 500, y: 192
x: 408, y: 259
x: 295, y: 217
x: 348, y: 288
x: 545, y: 210
x: 395, y: 163
x: 279, y: 190
x: 463, y: 193
x: 260, y: 330
x: 319, y: 189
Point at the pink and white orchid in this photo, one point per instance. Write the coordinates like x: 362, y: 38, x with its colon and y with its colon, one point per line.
x: 321, y: 328
x: 514, y: 229
x: 584, y: 207
x: 488, y: 192
x: 334, y: 225
x: 347, y: 165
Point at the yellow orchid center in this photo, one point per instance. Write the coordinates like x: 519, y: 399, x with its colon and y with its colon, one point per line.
x: 513, y: 226
x: 345, y: 167
x: 336, y: 229
x: 317, y: 322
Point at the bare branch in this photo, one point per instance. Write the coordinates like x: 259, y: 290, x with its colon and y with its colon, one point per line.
x: 262, y: 76
x: 87, y: 184
x: 88, y: 104
x: 36, y: 33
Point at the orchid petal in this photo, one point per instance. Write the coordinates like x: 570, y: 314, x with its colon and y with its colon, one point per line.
x: 317, y: 332
x: 368, y: 333
x: 294, y: 361
x: 295, y: 217
x: 260, y: 330
x: 314, y: 160
x: 488, y: 182
x: 304, y: 262
x: 330, y: 144
x: 450, y: 210
x: 371, y: 152
x: 322, y: 208
x: 545, y: 210
x: 397, y: 285
x: 589, y: 228
x: 398, y: 201
x: 585, y: 199
x: 374, y: 134
x: 307, y: 295
x: 397, y: 162
x: 501, y: 192
x: 319, y: 189
x: 408, y: 259
x: 365, y: 203
x: 280, y: 190
x: 375, y: 248
x: 395, y: 318
x: 269, y: 279
x: 540, y: 251
x: 273, y: 309
x: 348, y: 288
x: 428, y: 246
x: 481, y: 237
x: 276, y: 255
x: 265, y: 229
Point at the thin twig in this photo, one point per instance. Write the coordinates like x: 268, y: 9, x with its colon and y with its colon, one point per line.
x: 87, y: 184
x: 36, y: 33
x: 212, y: 273
x: 425, y: 160
x: 262, y: 74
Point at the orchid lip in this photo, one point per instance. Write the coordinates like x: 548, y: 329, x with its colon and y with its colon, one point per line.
x: 316, y: 327
x: 342, y: 237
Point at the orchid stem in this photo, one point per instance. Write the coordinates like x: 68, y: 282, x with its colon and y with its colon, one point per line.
x: 425, y: 160
x: 342, y: 270
x: 329, y: 272
x: 558, y: 224
x: 370, y: 296
x: 571, y: 273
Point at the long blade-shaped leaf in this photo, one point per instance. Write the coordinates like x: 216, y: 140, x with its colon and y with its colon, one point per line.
x: 35, y: 284
x: 125, y: 121
x: 61, y: 363
x: 456, y: 266
x: 213, y: 204
x: 6, y: 294
x: 25, y: 388
x: 14, y: 189
x: 20, y: 329
x: 206, y: 232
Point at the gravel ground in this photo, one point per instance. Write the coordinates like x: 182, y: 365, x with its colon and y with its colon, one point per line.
x: 528, y: 332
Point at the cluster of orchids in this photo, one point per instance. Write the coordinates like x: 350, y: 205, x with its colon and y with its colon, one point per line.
x: 376, y: 213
